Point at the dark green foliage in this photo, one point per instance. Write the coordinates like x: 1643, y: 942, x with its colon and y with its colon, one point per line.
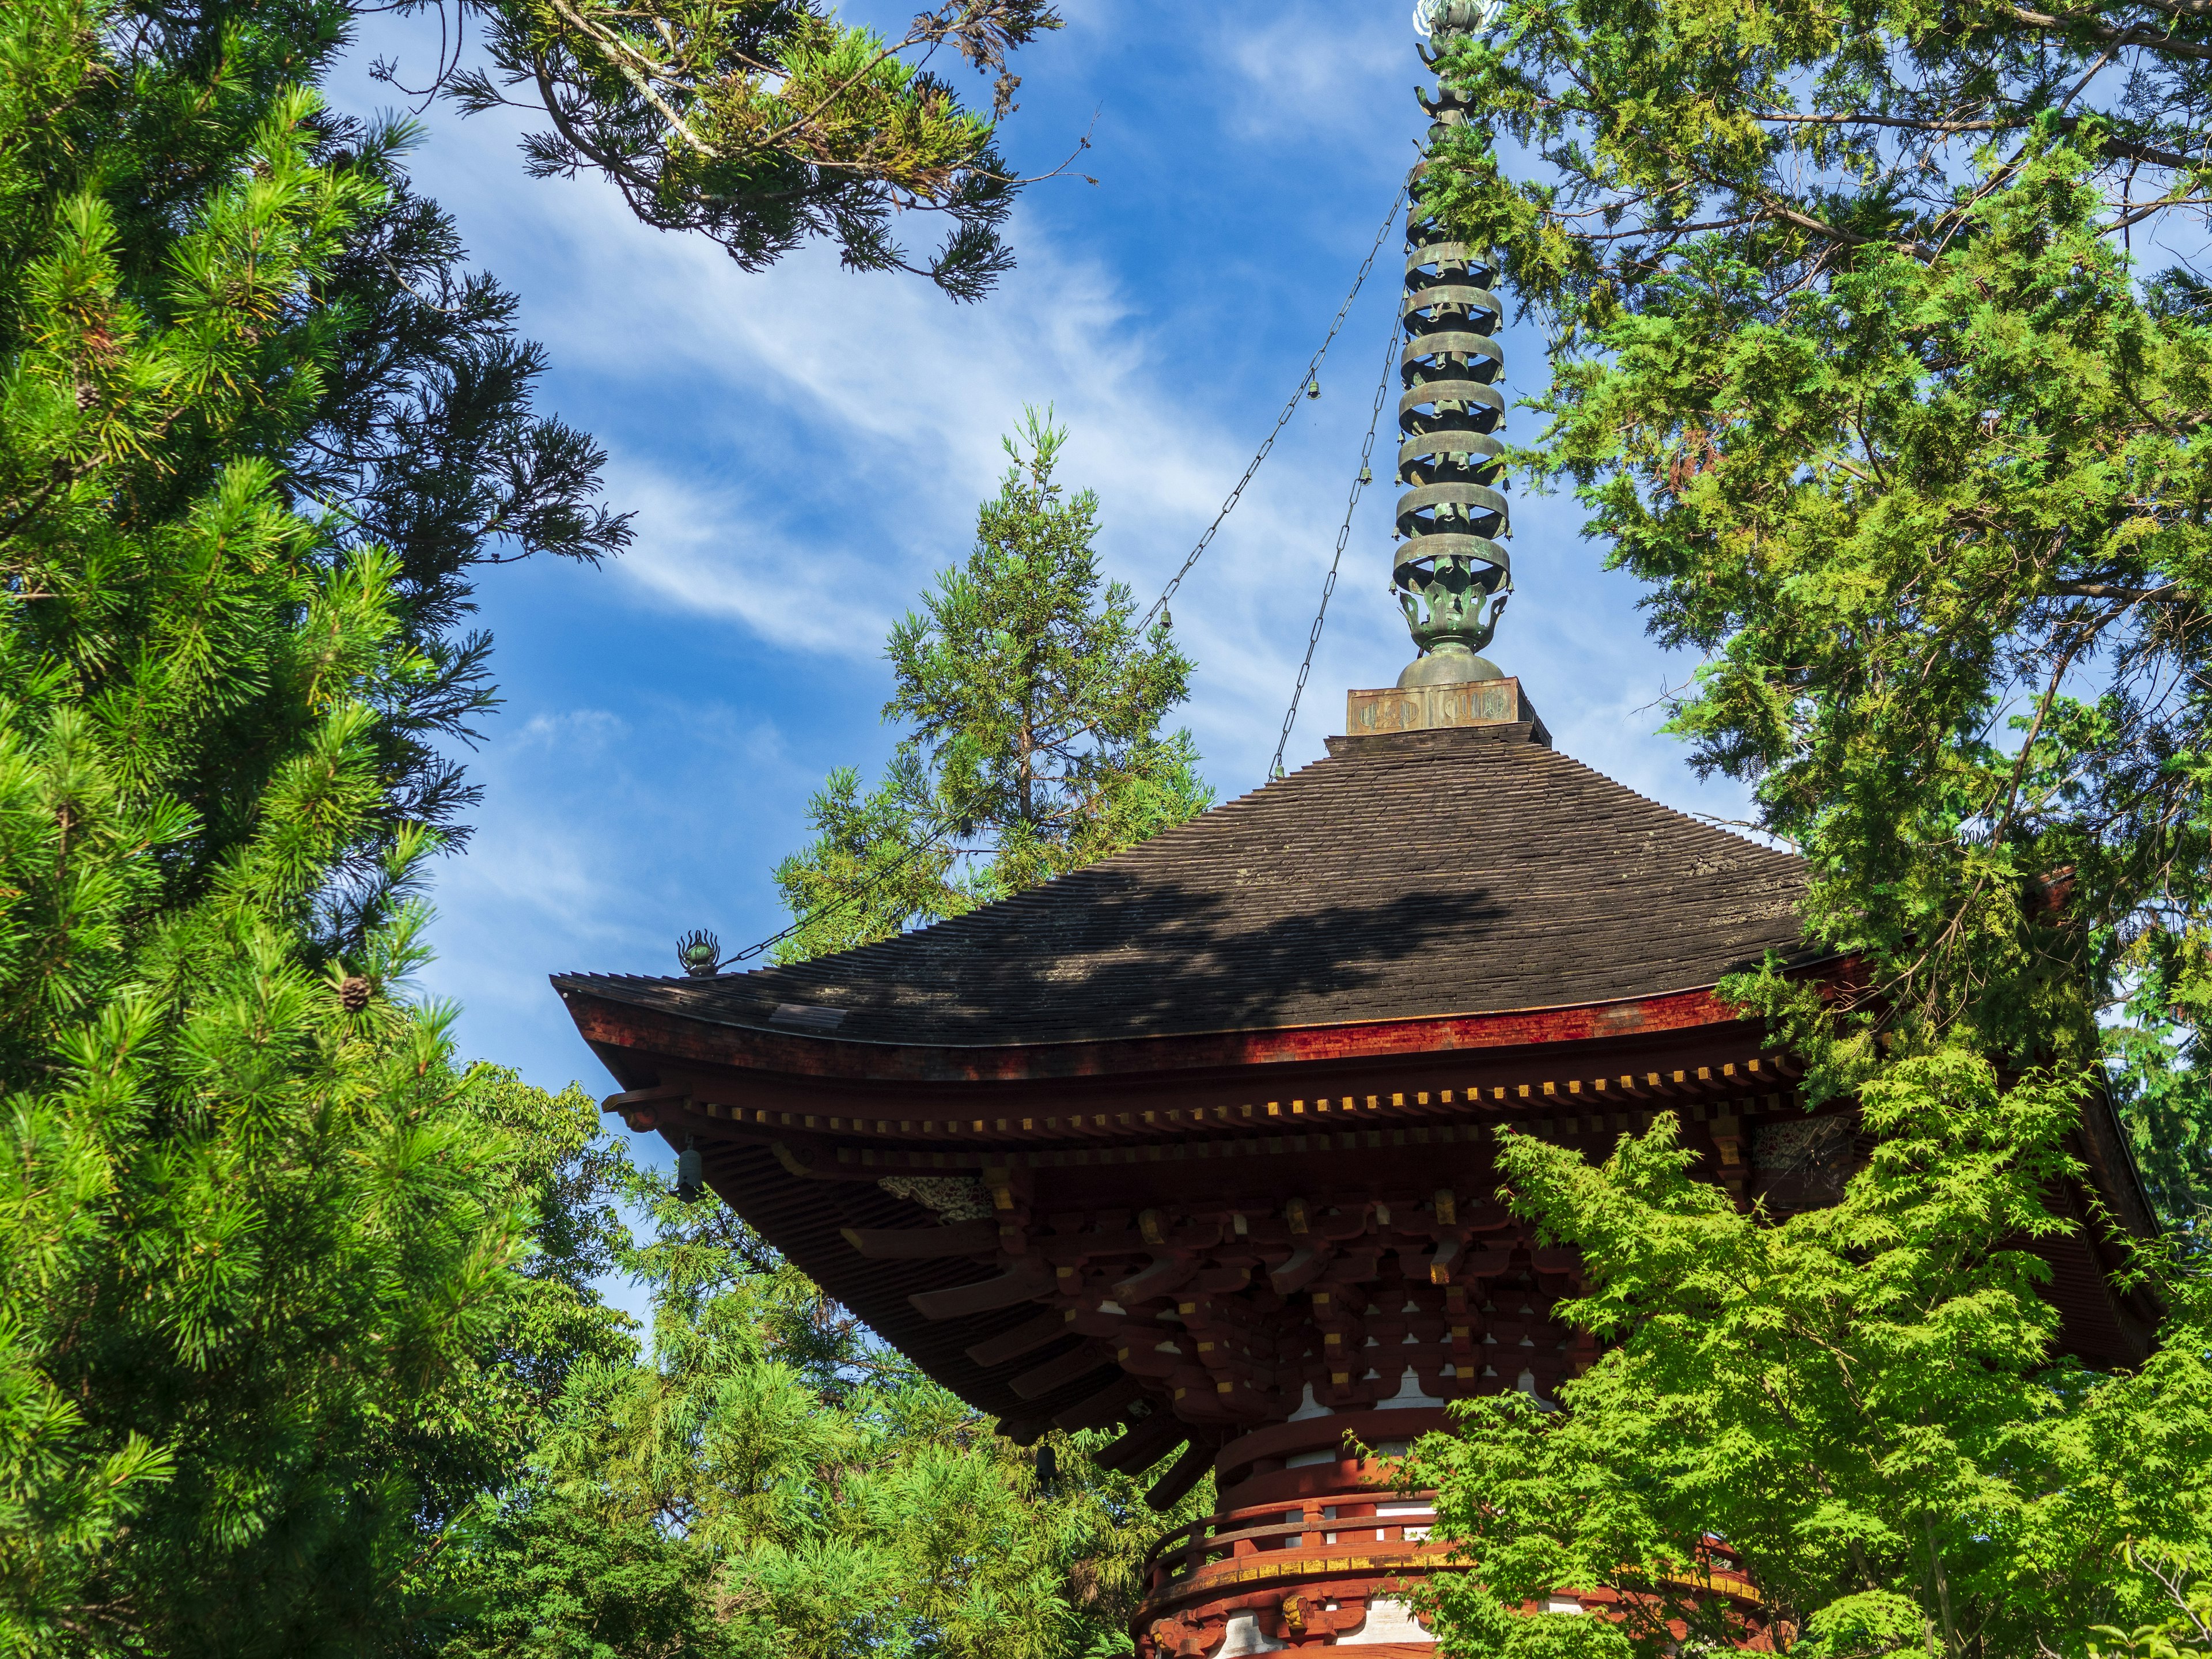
x: 1032, y: 707
x: 1855, y: 370
x: 768, y: 123
x: 572, y: 1182
x: 878, y: 864
x: 262, y: 1337
x: 424, y: 442
x: 560, y: 1579
x: 378, y: 382
x: 1786, y: 144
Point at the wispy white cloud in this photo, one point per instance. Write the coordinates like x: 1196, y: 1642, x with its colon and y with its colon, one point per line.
x: 569, y: 731
x: 1299, y: 69
x: 706, y: 550
x: 860, y: 424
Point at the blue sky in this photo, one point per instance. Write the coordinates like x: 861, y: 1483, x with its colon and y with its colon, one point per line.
x: 805, y: 448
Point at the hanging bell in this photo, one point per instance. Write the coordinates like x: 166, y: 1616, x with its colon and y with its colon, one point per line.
x: 1313, y: 388
x: 1366, y: 476
x: 690, y: 1172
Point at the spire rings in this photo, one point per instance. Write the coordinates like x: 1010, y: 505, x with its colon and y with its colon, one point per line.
x: 1450, y: 452
x: 1437, y: 406
x: 1463, y: 355
x: 1433, y: 17
x: 1447, y: 563
x: 1457, y: 508
x: 1451, y: 577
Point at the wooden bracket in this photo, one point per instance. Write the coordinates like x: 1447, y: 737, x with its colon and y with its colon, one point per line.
x: 1100, y: 1408
x: 1145, y: 1444
x: 1026, y: 1338
x: 1306, y: 1264
x: 811, y: 1163
x: 1043, y: 1379
x: 1031, y: 1279
x: 636, y: 1105
x: 923, y: 1244
x: 1185, y: 1473
x: 1165, y: 1273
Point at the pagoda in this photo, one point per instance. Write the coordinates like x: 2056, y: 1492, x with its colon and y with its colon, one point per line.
x: 1195, y: 1143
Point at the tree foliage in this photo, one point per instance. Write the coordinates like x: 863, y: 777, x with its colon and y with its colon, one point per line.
x: 1851, y: 1410
x: 1032, y: 705
x: 1790, y: 143
x: 768, y: 123
x: 425, y: 443
x: 1855, y: 369
x: 266, y: 1332
x: 358, y: 374
x: 766, y: 1480
x: 2185, y: 1629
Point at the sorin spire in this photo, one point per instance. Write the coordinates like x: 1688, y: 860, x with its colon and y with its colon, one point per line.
x: 1451, y: 574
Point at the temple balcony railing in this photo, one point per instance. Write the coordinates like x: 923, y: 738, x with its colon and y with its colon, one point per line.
x: 1365, y: 1522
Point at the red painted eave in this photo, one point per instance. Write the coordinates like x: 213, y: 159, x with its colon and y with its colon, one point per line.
x: 613, y: 1023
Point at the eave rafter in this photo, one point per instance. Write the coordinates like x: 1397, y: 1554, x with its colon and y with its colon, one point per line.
x: 864, y: 1141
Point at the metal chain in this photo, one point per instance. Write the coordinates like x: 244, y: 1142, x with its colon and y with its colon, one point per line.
x: 1307, y: 380
x: 851, y: 894
x: 1343, y: 535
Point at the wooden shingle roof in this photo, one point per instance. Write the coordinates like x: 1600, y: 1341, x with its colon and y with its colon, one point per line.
x: 1415, y: 939
x: 1427, y: 873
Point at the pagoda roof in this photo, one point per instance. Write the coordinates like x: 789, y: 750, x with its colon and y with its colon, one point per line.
x: 1340, y: 984
x: 1459, y: 872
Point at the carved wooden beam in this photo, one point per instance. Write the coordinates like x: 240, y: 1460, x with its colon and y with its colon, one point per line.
x: 923, y: 1244
x: 1026, y: 1338
x: 1097, y: 1411
x: 1163, y: 1276
x: 636, y: 1105
x: 1057, y: 1373
x: 1026, y: 1283
x: 1305, y: 1265
x: 1186, y: 1472
x: 1145, y: 1444
x: 815, y: 1163
x: 1436, y: 1267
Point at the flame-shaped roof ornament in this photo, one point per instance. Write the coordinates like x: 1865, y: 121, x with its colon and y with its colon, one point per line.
x: 1433, y: 17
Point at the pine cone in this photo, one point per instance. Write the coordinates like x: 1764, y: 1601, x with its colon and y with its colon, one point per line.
x: 353, y: 992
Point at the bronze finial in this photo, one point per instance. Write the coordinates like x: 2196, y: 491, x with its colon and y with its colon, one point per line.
x: 1451, y: 574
